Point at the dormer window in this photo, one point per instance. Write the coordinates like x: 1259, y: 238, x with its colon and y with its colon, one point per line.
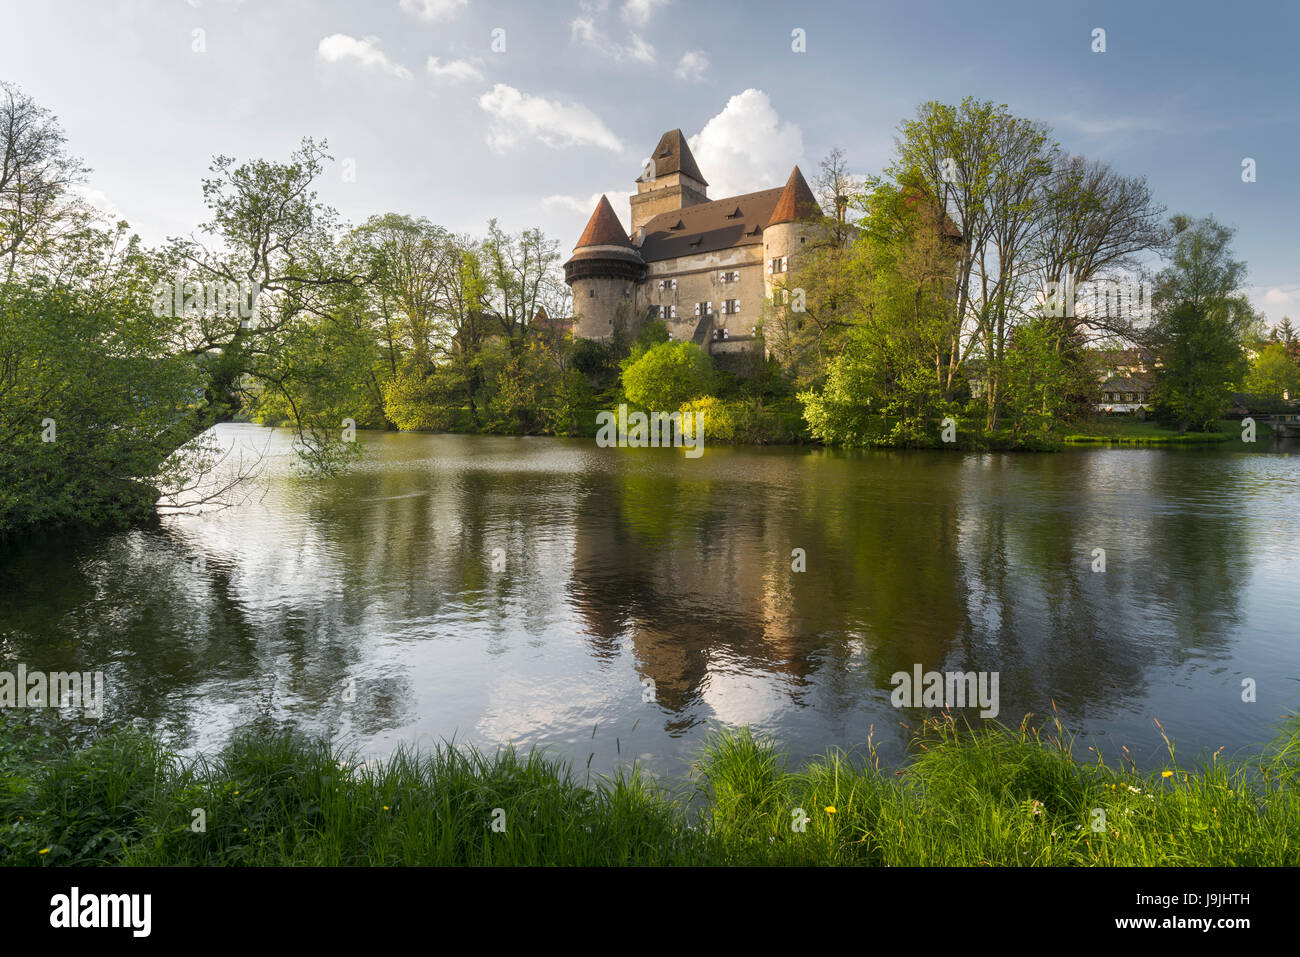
x: 677, y: 225
x: 735, y: 213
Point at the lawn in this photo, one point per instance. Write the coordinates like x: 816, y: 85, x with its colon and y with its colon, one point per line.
x: 1125, y: 431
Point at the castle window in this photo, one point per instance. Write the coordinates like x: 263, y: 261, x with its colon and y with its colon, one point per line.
x: 591, y: 294
x: 667, y: 284
x: 731, y: 306
x: 667, y: 312
x: 779, y: 264
x: 704, y: 308
x: 730, y: 276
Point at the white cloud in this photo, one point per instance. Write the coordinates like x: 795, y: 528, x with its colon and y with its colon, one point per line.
x: 1107, y: 125
x: 339, y: 46
x: 746, y: 147
x: 431, y: 11
x: 517, y: 116
x: 583, y: 30
x: 455, y: 71
x: 100, y: 201
x: 692, y: 66
x: 638, y: 12
x: 1276, y: 301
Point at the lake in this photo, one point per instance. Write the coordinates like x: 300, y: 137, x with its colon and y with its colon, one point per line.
x: 537, y: 590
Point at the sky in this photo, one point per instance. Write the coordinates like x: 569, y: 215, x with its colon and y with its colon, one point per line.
x: 464, y: 110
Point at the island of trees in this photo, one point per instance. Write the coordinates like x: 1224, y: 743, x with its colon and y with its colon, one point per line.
x: 920, y: 304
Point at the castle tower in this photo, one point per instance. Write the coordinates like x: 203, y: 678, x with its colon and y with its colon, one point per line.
x: 787, y: 230
x: 675, y: 184
x: 603, y: 274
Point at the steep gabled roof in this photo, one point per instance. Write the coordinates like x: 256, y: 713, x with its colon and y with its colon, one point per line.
x: 672, y: 155
x: 708, y: 227
x: 797, y: 201
x: 603, y: 229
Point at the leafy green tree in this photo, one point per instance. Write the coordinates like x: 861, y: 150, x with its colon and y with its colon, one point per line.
x: 667, y: 375
x: 890, y: 381
x: 1274, y: 374
x: 1202, y: 319
x: 92, y: 408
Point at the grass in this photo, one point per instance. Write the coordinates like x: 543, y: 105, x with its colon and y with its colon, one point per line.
x: 1012, y: 796
x: 1123, y: 431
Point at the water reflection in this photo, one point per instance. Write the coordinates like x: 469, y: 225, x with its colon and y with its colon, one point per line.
x: 529, y: 589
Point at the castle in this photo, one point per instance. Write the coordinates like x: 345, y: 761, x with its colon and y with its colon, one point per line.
x: 705, y: 267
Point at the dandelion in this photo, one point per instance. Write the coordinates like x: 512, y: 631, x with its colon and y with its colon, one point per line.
x: 44, y: 851
x: 385, y: 807
x: 1166, y: 774
x: 830, y: 810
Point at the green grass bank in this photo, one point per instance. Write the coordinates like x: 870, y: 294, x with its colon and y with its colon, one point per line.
x: 1013, y: 796
x: 1135, y: 432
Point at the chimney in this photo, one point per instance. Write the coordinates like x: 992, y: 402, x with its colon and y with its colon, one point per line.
x: 640, y: 236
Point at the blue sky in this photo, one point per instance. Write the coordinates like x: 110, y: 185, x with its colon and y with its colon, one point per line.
x: 572, y: 105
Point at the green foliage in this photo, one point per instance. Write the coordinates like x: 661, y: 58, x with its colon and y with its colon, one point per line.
x: 419, y: 399
x: 1202, y: 319
x: 995, y: 796
x: 747, y: 421
x: 93, y: 375
x: 1044, y: 378
x: 666, y: 376
x: 1274, y: 374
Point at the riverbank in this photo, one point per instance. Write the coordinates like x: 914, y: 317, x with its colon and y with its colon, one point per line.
x: 1010, y: 797
x: 1136, y: 432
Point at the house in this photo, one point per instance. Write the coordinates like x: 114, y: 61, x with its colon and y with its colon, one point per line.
x: 1125, y: 394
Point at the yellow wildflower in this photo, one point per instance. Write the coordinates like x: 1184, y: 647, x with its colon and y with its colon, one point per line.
x: 830, y: 810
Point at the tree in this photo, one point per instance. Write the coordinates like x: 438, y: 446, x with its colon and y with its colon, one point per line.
x: 665, y: 376
x: 1274, y: 375
x: 984, y: 168
x: 888, y: 383
x: 524, y: 274
x: 1095, y: 224
x: 1202, y: 319
x: 36, y: 175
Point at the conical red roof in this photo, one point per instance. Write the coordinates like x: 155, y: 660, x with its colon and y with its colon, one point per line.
x: 797, y: 201
x: 603, y: 229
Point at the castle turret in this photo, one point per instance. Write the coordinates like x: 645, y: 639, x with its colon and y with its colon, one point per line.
x: 672, y: 180
x: 603, y: 273
x: 787, y: 230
